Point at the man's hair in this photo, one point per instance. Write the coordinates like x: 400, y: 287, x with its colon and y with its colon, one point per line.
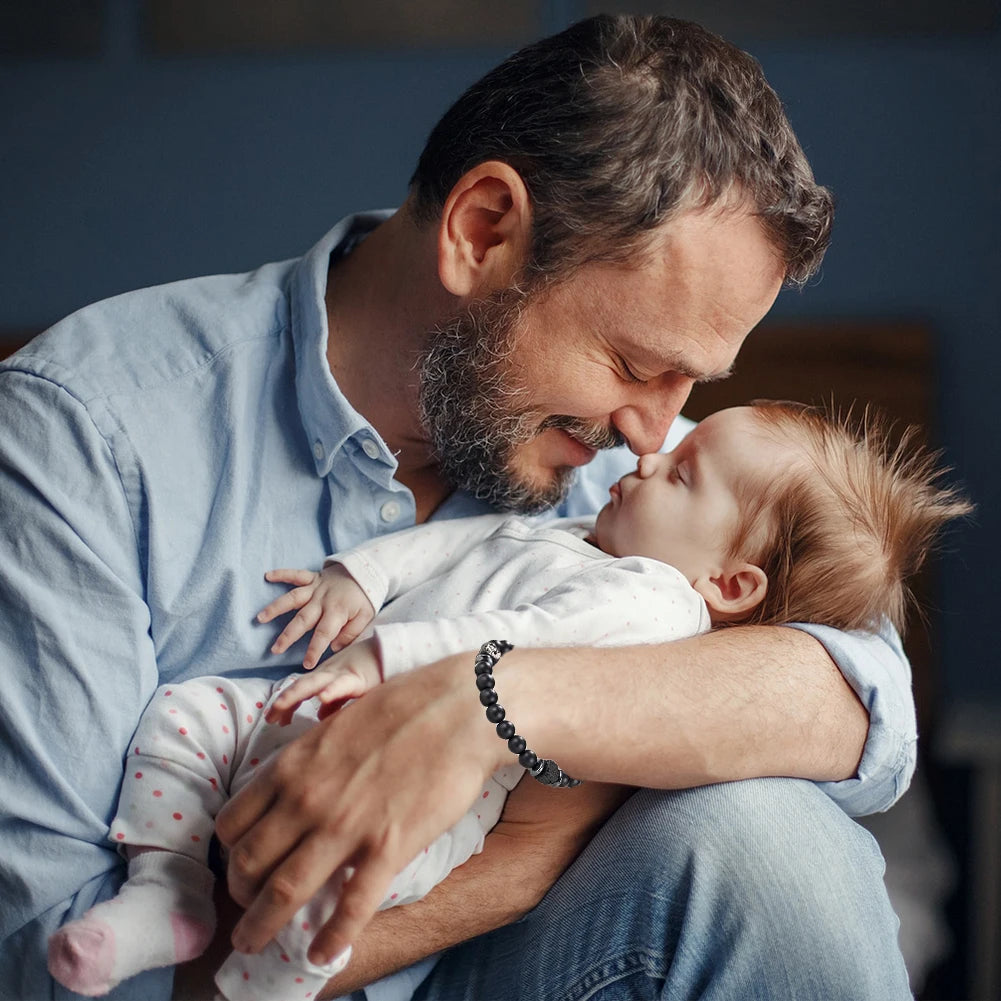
x: 840, y: 533
x: 618, y: 124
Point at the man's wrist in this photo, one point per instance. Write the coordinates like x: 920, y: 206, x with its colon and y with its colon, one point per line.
x: 543, y: 770
x: 480, y: 741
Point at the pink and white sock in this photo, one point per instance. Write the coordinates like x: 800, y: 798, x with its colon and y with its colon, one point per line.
x: 163, y: 915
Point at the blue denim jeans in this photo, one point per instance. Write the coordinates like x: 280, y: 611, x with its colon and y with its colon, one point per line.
x: 737, y: 892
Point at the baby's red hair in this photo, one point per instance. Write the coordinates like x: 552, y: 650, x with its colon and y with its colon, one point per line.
x: 841, y: 531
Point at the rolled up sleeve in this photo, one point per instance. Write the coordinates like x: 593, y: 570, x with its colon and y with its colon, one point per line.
x: 879, y: 673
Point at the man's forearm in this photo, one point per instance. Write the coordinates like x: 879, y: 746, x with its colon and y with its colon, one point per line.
x: 736, y: 703
x: 384, y: 776
x: 542, y: 831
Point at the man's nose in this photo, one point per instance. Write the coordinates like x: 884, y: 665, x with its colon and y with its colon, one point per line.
x: 648, y: 464
x: 645, y: 421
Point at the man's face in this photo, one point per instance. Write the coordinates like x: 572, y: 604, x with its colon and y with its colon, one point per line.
x: 520, y: 389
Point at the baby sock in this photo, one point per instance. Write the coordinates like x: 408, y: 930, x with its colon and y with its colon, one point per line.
x: 163, y: 915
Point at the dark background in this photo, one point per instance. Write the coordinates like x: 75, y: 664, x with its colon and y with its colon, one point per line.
x: 142, y: 142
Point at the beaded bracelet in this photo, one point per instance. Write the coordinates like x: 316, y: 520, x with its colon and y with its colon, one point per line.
x: 543, y: 770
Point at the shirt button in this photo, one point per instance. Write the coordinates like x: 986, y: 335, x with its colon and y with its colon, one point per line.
x: 318, y: 449
x: 369, y: 447
x: 389, y: 511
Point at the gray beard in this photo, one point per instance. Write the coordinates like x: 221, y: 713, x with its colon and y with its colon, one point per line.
x: 475, y: 415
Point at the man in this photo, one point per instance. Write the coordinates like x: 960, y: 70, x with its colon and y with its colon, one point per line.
x: 594, y: 227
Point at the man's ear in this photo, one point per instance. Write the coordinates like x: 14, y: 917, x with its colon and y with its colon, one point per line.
x: 734, y: 593
x: 485, y: 230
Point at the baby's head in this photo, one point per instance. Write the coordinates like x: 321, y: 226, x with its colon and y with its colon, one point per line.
x: 778, y: 512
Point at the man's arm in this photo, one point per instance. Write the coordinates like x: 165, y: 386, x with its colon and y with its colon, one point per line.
x: 733, y: 704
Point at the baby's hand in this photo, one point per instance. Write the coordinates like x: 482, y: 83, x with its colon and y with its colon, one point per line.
x: 347, y: 675
x: 330, y: 603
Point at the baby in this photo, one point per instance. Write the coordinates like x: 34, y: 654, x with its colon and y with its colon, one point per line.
x: 771, y: 513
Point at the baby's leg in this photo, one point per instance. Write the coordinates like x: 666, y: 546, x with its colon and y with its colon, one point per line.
x: 178, y: 773
x: 162, y: 915
x: 281, y: 970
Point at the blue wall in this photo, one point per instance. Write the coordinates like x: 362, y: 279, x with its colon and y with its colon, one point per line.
x: 130, y: 170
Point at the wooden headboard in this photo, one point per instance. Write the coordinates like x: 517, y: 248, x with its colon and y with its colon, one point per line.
x: 11, y: 340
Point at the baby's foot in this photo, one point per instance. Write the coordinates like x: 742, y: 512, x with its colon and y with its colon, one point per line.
x: 163, y: 915
x: 82, y: 957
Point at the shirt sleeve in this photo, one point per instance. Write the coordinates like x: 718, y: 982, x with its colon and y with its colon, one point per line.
x: 78, y: 668
x: 878, y: 671
x: 618, y: 603
x: 391, y: 564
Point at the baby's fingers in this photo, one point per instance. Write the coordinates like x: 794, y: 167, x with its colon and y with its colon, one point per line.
x: 350, y: 631
x: 289, y: 576
x: 340, y: 687
x: 298, y: 627
x: 336, y: 629
x: 317, y: 648
x: 291, y: 698
x: 329, y: 688
x: 295, y: 598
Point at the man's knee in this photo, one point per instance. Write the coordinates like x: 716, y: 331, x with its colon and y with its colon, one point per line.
x: 758, y: 889
x: 769, y: 875
x: 765, y: 836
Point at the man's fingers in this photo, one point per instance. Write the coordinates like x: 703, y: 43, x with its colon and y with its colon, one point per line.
x: 241, y: 812
x: 239, y: 825
x: 300, y: 876
x: 360, y: 899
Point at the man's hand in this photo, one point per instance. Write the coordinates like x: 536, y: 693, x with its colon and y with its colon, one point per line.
x: 541, y: 832
x: 347, y: 675
x: 329, y: 602
x: 368, y: 787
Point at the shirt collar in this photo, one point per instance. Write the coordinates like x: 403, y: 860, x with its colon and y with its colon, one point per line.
x: 328, y: 417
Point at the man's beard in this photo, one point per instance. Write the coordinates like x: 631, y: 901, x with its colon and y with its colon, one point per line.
x: 475, y: 413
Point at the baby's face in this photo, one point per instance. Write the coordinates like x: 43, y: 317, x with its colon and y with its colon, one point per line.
x: 682, y: 508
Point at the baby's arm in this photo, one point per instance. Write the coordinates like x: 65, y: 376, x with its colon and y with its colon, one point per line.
x: 617, y: 603
x: 340, y: 601
x: 627, y: 601
x: 392, y: 564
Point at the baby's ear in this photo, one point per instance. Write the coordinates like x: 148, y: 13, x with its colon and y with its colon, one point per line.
x: 733, y: 593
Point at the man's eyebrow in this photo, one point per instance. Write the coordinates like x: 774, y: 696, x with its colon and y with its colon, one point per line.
x: 668, y: 361
x: 677, y: 365
x: 717, y: 376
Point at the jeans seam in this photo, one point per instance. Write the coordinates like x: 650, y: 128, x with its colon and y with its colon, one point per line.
x: 612, y: 970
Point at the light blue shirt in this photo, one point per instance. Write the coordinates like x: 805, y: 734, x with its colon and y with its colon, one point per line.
x: 158, y: 452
